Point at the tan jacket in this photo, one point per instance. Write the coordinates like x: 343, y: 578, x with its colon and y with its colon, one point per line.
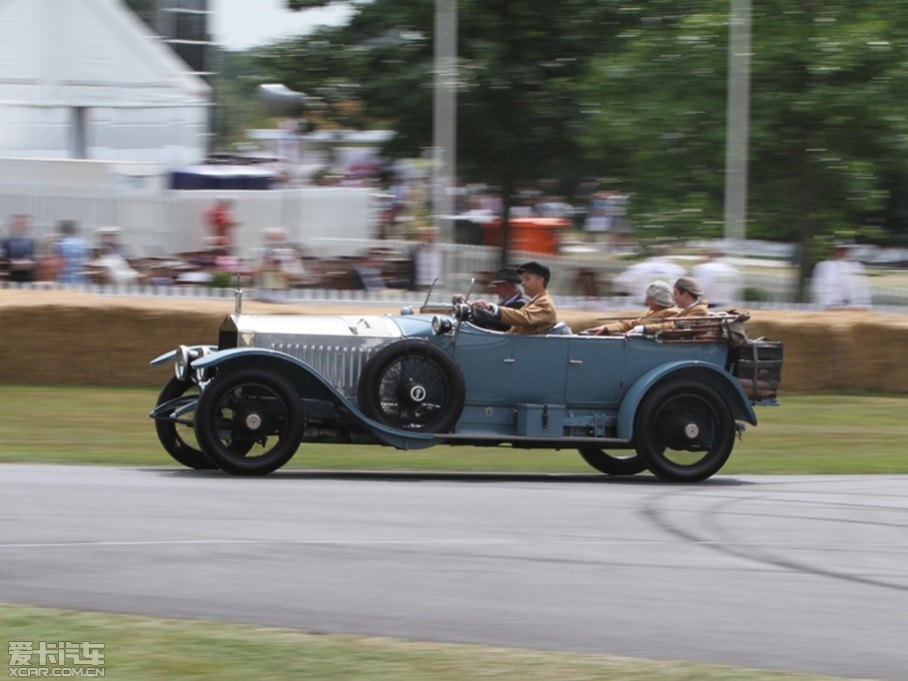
x: 698, y: 309
x: 537, y: 316
x: 625, y: 325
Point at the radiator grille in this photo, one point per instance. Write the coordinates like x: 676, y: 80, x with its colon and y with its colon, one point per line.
x: 342, y: 365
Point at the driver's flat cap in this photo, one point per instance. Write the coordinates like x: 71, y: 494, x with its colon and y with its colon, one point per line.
x: 536, y: 268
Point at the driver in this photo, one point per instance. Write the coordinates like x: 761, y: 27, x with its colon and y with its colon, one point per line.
x: 538, y: 315
x: 509, y: 294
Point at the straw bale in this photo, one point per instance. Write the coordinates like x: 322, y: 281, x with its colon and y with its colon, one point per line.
x: 841, y: 350
x: 64, y: 338
x: 880, y: 358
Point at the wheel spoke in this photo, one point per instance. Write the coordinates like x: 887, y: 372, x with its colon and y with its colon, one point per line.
x: 412, y: 385
x: 405, y: 378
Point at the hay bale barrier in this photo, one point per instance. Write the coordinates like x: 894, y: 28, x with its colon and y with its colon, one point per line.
x: 68, y: 338
x: 71, y: 338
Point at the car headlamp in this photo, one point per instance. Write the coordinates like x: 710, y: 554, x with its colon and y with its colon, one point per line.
x: 441, y: 325
x: 182, y: 366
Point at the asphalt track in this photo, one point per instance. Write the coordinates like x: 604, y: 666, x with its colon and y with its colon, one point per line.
x: 797, y: 573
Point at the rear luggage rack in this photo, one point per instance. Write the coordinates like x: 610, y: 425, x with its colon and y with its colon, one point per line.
x: 758, y: 367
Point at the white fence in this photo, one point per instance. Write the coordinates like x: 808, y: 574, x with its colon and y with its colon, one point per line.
x: 174, y: 222
x: 895, y: 302
x: 159, y: 221
x: 461, y: 263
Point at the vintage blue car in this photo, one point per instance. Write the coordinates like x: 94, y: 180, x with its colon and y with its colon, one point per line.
x: 673, y: 403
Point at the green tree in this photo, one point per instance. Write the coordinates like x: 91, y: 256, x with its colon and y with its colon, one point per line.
x: 830, y: 131
x: 520, y: 62
x: 636, y: 91
x: 828, y: 127
x: 655, y: 116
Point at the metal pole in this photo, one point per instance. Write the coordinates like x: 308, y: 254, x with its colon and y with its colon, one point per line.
x: 445, y: 115
x: 737, y: 122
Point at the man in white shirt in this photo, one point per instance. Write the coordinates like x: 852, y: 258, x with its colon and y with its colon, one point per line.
x: 720, y: 280
x: 426, y: 260
x: 840, y: 283
x: 639, y: 275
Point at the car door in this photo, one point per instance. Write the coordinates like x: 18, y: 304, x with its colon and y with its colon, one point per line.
x: 596, y: 371
x: 503, y: 368
x: 485, y: 360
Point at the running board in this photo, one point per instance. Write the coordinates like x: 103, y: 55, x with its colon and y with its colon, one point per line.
x: 492, y: 439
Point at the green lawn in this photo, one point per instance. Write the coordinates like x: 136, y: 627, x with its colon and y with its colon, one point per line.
x: 149, y: 649
x: 806, y: 434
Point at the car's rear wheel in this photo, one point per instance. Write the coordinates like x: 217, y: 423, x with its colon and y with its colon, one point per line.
x: 630, y: 463
x: 249, y: 422
x: 684, y: 431
x: 178, y: 436
x: 412, y: 385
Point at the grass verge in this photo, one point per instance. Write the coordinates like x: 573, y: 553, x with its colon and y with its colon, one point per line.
x: 807, y: 434
x: 149, y: 649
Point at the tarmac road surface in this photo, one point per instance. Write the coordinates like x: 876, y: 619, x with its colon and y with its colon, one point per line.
x: 798, y: 573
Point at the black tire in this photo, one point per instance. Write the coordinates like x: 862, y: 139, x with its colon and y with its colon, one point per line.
x: 412, y: 385
x: 249, y: 422
x: 178, y: 439
x: 684, y: 431
x: 598, y: 458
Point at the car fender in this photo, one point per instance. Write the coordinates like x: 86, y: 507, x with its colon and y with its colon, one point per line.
x: 704, y: 372
x: 310, y: 384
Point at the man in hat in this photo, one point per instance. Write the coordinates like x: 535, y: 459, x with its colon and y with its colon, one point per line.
x: 659, y: 306
x: 539, y: 314
x: 689, y: 300
x: 509, y: 294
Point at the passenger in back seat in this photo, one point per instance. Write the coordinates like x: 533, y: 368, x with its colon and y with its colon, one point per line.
x: 659, y: 305
x: 689, y: 300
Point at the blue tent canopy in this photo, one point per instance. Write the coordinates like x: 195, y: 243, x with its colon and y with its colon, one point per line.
x: 221, y: 177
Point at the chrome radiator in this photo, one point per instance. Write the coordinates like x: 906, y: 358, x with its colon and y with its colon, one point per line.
x: 337, y: 347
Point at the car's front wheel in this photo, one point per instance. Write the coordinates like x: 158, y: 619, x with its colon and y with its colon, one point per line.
x: 629, y: 464
x: 177, y: 436
x: 684, y: 431
x: 249, y: 422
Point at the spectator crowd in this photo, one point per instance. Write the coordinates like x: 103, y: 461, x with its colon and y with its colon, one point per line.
x: 67, y: 256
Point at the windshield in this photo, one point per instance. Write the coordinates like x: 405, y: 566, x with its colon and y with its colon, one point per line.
x: 438, y: 299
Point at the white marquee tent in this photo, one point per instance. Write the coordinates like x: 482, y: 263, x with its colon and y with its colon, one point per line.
x: 87, y: 79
